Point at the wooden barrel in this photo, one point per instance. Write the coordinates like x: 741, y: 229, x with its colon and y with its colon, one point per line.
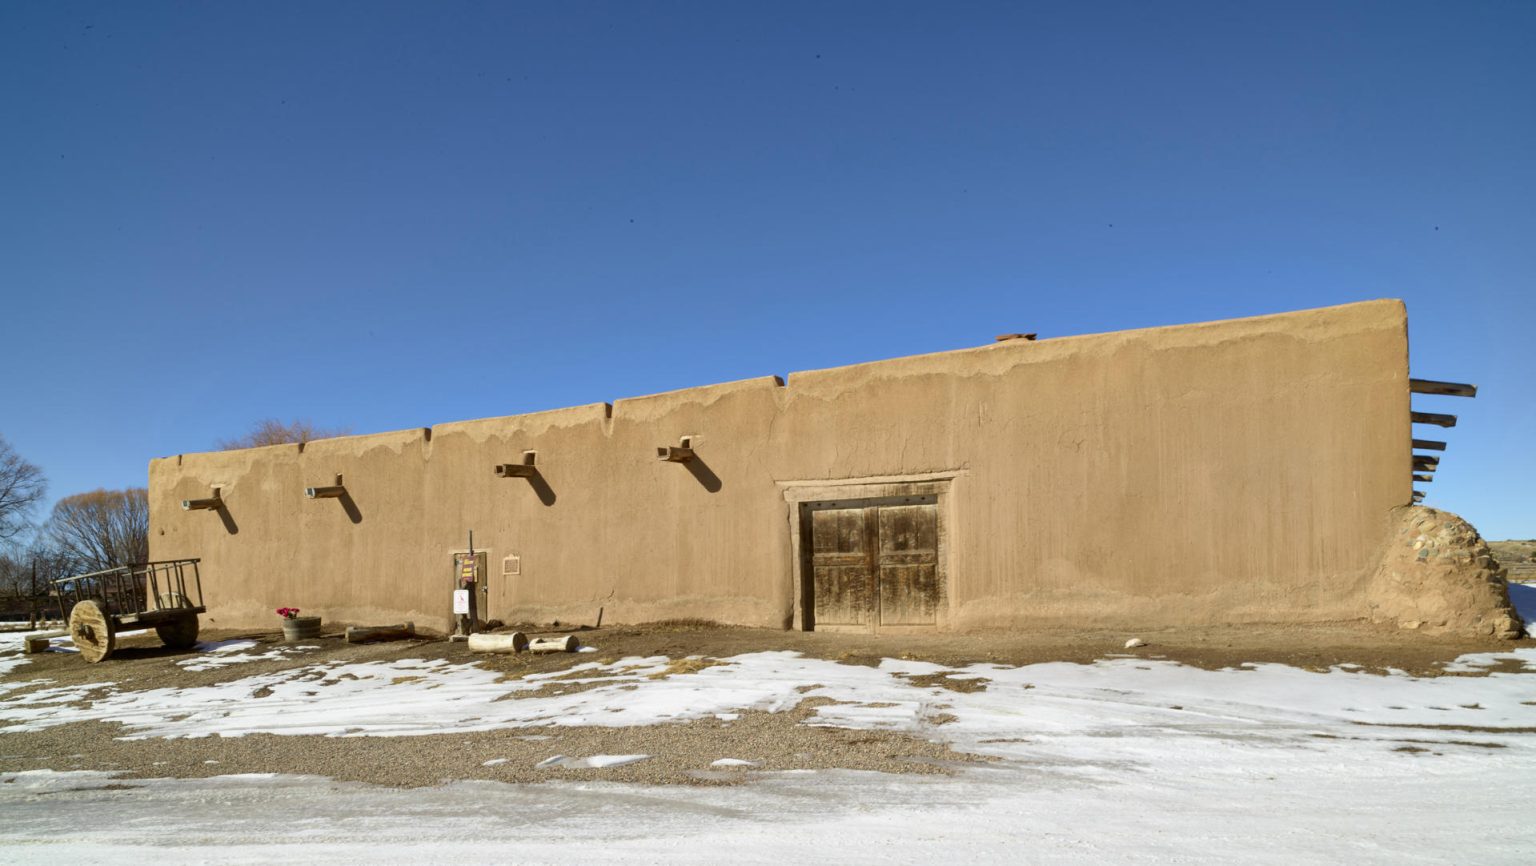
x: 301, y: 627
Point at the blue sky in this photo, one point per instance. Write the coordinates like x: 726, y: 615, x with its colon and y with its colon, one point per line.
x: 380, y: 215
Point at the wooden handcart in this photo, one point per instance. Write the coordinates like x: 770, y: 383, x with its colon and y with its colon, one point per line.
x: 166, y: 596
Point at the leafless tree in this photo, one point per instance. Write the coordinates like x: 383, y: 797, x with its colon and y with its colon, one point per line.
x: 26, y: 580
x: 21, y: 486
x: 271, y: 431
x: 103, y: 528
x: 14, y: 574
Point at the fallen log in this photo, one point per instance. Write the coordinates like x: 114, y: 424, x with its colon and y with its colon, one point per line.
x: 567, y: 644
x: 370, y: 633
x: 515, y: 642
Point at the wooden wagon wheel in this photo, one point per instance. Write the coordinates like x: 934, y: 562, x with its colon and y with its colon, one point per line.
x: 179, y: 633
x: 90, y: 627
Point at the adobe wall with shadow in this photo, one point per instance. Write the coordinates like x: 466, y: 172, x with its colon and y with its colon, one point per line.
x: 1238, y: 471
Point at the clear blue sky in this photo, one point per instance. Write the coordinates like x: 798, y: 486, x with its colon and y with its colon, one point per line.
x: 381, y: 215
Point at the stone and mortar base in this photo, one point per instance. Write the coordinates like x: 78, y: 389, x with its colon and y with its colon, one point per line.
x: 1437, y: 575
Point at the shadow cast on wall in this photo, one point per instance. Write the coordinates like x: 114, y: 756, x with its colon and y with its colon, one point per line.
x: 703, y: 474
x: 541, y: 488
x: 349, y: 505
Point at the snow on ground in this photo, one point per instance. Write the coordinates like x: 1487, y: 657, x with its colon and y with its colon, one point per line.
x: 216, y: 654
x: 220, y: 654
x: 415, y: 697
x: 1125, y: 759
x: 11, y: 644
x: 597, y: 762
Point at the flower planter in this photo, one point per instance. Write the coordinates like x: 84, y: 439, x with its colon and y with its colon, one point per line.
x: 301, y: 628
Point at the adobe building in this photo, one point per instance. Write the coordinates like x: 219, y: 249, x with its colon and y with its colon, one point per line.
x: 1253, y: 470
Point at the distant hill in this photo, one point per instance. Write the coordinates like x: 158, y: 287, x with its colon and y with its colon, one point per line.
x: 1518, y: 557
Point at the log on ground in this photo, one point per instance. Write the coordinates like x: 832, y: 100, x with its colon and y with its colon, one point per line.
x: 370, y: 633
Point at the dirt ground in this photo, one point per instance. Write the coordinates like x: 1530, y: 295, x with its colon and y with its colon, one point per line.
x: 681, y: 753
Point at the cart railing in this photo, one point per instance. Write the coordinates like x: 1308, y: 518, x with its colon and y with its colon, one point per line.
x: 166, y: 584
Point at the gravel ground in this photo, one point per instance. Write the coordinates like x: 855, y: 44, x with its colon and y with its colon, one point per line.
x: 681, y: 753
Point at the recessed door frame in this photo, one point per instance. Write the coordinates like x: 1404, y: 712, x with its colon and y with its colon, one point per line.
x: 884, y: 487
x: 482, y: 577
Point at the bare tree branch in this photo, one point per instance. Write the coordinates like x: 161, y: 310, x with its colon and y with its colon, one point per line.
x: 21, y: 486
x: 103, y: 528
x: 271, y: 431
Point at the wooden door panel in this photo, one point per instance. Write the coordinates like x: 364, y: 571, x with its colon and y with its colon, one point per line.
x: 909, y: 529
x: 842, y: 596
x: 839, y: 531
x: 908, y: 564
x: 842, y: 567
x: 909, y: 595
x: 875, y: 565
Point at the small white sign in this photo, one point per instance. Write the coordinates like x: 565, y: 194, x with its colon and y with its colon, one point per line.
x: 461, y: 601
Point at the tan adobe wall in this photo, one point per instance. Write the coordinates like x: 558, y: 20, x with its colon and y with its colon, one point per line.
x: 1222, y: 472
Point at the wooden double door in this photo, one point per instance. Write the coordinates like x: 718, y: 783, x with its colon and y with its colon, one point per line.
x: 874, y: 564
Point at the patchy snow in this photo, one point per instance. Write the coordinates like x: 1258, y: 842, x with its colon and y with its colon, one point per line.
x: 233, y: 652
x: 1126, y: 759
x: 1306, y: 806
x: 413, y: 697
x: 223, y: 647
x: 597, y: 762
x: 734, y: 762
x: 13, y: 647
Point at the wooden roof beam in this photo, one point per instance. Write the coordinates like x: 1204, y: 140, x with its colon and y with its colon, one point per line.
x: 1423, y: 479
x: 1448, y: 389
x: 1434, y: 418
x: 1429, y: 444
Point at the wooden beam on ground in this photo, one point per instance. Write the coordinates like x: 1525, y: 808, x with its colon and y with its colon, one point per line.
x: 1429, y: 444
x: 1449, y: 389
x: 1434, y: 418
x: 39, y: 643
x: 368, y: 634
